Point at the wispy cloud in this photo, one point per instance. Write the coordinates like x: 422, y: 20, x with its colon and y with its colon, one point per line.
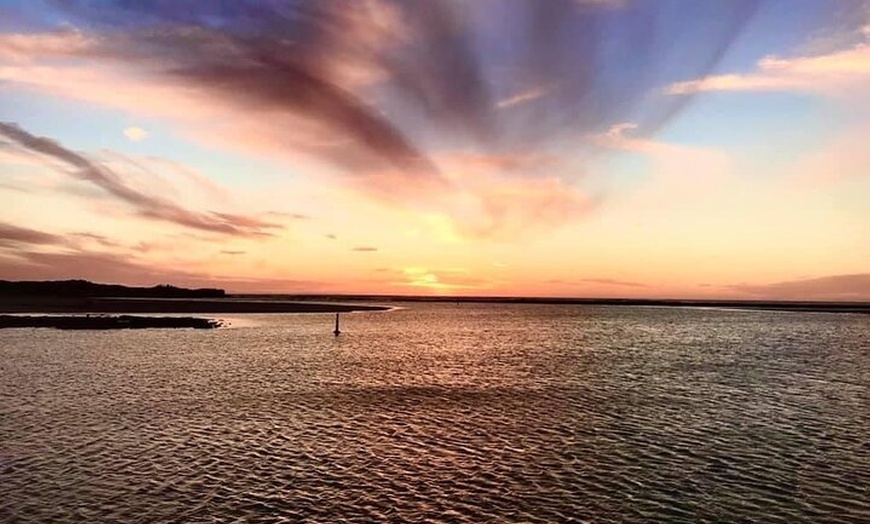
x: 354, y: 80
x: 290, y: 216
x: 613, y: 282
x: 365, y: 249
x: 86, y: 169
x: 835, y: 287
x: 12, y: 236
x: 500, y: 198
x: 199, y: 182
x: 584, y: 282
x: 521, y: 98
x: 97, y: 239
x: 835, y: 72
x: 505, y: 208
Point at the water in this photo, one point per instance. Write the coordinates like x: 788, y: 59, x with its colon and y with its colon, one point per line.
x: 443, y: 413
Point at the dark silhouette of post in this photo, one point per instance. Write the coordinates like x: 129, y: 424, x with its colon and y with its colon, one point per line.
x: 337, y: 331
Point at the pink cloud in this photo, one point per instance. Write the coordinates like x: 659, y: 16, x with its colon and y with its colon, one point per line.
x: 14, y: 236
x: 691, y: 165
x: 505, y: 208
x: 853, y: 287
x: 838, y: 73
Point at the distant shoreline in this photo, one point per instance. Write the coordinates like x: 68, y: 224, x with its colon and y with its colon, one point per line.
x: 240, y: 304
x: 83, y: 296
x: 45, y: 304
x: 757, y: 305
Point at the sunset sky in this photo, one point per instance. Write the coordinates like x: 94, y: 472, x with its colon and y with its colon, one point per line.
x: 584, y: 148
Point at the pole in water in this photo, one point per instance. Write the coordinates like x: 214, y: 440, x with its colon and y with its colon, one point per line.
x: 337, y: 331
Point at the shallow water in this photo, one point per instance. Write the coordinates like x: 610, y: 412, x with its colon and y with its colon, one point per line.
x: 443, y: 413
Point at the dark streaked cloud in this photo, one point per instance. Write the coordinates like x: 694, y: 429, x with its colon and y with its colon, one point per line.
x: 12, y: 235
x: 613, y: 282
x: 232, y: 252
x: 98, y: 239
x: 383, y: 78
x: 365, y: 249
x: 149, y: 206
x: 603, y: 281
x: 15, y: 237
x: 834, y: 287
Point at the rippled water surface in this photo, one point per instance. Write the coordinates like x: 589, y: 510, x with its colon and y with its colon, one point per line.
x: 443, y: 413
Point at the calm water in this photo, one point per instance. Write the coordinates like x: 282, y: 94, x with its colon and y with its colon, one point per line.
x: 443, y: 413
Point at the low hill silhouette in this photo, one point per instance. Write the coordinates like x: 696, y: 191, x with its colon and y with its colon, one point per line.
x: 85, y: 288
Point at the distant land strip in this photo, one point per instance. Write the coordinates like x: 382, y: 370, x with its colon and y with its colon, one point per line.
x: 158, y: 305
x: 769, y: 305
x: 81, y: 296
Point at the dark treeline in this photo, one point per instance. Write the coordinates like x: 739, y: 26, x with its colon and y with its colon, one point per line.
x: 84, y: 288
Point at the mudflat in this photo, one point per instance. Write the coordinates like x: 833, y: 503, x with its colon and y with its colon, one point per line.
x: 106, y: 322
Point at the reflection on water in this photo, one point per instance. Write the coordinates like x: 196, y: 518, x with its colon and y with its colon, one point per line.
x: 442, y: 413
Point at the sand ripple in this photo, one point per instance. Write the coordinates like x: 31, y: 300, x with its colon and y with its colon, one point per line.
x: 455, y: 414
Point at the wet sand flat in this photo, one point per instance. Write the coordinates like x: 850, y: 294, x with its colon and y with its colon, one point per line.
x: 78, y: 322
